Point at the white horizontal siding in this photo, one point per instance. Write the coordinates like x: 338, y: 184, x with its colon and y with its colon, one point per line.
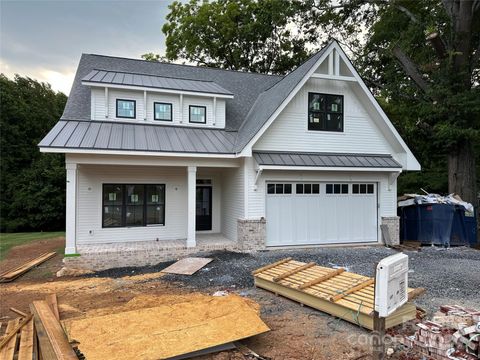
x: 232, y: 201
x: 89, y: 209
x: 290, y: 130
x: 180, y: 117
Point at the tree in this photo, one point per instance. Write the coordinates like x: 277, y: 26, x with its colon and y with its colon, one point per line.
x: 250, y: 35
x: 32, y: 195
x: 422, y: 58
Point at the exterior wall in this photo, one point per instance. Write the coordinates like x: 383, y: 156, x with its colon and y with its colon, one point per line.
x: 291, y: 126
x: 89, y: 198
x: 232, y: 201
x: 251, y: 234
x: 180, y: 117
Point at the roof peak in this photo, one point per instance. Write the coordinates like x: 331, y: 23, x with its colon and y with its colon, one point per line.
x: 185, y: 65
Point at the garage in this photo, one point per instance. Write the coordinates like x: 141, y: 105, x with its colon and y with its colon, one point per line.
x: 316, y: 213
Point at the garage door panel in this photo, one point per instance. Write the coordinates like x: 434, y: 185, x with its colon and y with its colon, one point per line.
x: 321, y: 218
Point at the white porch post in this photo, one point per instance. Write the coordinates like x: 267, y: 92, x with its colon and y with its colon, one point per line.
x: 191, y: 194
x: 71, y: 211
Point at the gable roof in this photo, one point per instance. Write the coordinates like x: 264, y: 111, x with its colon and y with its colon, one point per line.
x: 269, y: 101
x: 245, y: 86
x: 152, y: 81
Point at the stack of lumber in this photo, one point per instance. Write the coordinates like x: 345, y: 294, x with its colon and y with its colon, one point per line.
x: 453, y: 333
x: 14, y: 273
x: 38, y: 335
x: 337, y: 292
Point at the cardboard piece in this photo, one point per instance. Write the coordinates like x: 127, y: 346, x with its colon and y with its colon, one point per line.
x: 187, y: 266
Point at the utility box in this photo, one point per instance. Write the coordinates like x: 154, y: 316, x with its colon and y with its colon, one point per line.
x: 391, y: 283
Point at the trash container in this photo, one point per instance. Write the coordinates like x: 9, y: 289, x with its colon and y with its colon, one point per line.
x: 464, y: 228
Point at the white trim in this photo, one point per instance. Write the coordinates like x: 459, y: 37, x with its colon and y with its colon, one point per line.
x: 149, y: 89
x: 337, y: 64
x: 330, y: 64
x: 181, y: 109
x: 106, y: 104
x: 130, y: 152
x: 191, y: 205
x: 71, y: 208
x: 145, y: 106
x: 214, y: 110
x: 333, y: 77
x: 326, y: 168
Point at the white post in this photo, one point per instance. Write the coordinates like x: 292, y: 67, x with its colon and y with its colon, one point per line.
x: 191, y: 194
x: 145, y: 106
x: 106, y: 102
x: 214, y: 110
x: 181, y: 109
x: 330, y: 63
x: 71, y: 211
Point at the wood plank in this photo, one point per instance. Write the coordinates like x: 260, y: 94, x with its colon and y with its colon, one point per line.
x: 52, y: 302
x: 25, y: 351
x: 8, y: 351
x: 10, y: 333
x: 293, y: 271
x: 415, y: 293
x: 18, y: 312
x: 187, y: 266
x: 266, y: 267
x: 54, y: 331
x: 43, y: 346
x: 352, y: 290
x: 12, y: 274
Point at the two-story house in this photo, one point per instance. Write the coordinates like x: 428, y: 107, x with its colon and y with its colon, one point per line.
x: 164, y: 159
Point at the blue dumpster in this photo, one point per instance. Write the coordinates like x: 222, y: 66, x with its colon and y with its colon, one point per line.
x: 438, y: 224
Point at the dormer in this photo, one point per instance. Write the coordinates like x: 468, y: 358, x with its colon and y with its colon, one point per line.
x: 144, y: 98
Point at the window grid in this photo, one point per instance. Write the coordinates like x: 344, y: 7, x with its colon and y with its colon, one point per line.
x: 133, y: 205
x: 126, y: 109
x: 325, y: 112
x: 336, y: 188
x: 307, y: 188
x: 279, y: 188
x: 197, y: 114
x: 162, y: 111
x: 363, y: 189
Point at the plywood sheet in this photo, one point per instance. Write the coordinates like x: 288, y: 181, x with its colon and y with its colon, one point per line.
x: 168, y: 330
x: 187, y: 266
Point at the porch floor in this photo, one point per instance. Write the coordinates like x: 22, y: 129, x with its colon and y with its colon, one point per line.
x: 205, y: 242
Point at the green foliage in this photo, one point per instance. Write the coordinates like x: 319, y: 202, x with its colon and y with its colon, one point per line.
x: 251, y: 35
x: 7, y: 241
x: 32, y: 184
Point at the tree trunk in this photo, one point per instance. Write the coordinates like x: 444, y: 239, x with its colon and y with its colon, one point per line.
x: 462, y: 172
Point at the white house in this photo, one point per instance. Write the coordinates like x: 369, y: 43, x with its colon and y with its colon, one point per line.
x: 165, y: 159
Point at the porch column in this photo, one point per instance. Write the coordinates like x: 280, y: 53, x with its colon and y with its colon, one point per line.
x: 191, y: 194
x: 71, y: 209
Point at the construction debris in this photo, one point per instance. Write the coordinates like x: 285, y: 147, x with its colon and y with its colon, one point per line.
x: 340, y: 293
x: 187, y: 266
x: 14, y: 273
x: 166, y: 331
x: 416, y: 199
x: 453, y: 333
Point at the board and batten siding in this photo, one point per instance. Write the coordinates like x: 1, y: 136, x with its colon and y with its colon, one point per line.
x: 98, y: 107
x: 233, y: 200
x: 89, y: 208
x: 289, y: 131
x: 387, y: 195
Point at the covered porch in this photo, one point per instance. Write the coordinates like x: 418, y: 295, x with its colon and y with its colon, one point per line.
x: 196, y: 208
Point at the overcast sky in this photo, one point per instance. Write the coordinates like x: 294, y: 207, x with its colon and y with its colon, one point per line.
x: 44, y: 39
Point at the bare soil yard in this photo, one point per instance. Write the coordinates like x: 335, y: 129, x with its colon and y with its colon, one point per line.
x: 450, y: 276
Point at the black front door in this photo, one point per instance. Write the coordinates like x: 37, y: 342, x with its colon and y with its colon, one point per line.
x: 204, y: 208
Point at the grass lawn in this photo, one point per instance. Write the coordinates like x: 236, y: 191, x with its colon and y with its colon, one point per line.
x: 9, y: 240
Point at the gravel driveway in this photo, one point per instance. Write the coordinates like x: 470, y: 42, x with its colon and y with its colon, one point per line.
x: 450, y: 276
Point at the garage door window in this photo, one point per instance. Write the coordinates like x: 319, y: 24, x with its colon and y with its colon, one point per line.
x: 307, y: 188
x: 279, y: 188
x: 336, y: 189
x: 363, y: 189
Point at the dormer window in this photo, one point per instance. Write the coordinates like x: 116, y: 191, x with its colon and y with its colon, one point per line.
x: 162, y: 111
x: 198, y: 114
x: 126, y: 109
x: 325, y: 112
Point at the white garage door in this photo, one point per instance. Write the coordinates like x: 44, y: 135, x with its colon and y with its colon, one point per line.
x: 306, y: 213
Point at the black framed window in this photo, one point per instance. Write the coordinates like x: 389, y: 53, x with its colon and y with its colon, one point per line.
x: 198, y: 114
x: 363, y: 189
x: 126, y: 205
x: 279, y: 188
x: 325, y: 112
x: 307, y: 188
x: 336, y: 188
x: 162, y: 111
x: 126, y: 109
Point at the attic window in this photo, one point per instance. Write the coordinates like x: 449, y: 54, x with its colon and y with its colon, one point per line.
x: 325, y: 112
x: 162, y: 111
x: 126, y: 109
x: 198, y: 114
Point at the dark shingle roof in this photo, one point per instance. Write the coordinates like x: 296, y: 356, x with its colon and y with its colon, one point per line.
x: 325, y: 159
x: 152, y: 81
x: 245, y: 86
x: 109, y: 135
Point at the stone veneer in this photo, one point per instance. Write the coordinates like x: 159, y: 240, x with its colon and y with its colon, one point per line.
x: 141, y: 253
x: 393, y: 224
x: 251, y: 234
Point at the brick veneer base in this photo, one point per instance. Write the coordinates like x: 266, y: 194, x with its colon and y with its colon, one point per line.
x: 251, y: 234
x: 393, y: 224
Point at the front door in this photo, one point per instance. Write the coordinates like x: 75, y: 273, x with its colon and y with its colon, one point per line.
x: 204, y: 208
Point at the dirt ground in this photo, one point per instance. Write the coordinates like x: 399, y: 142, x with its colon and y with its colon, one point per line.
x: 296, y: 332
